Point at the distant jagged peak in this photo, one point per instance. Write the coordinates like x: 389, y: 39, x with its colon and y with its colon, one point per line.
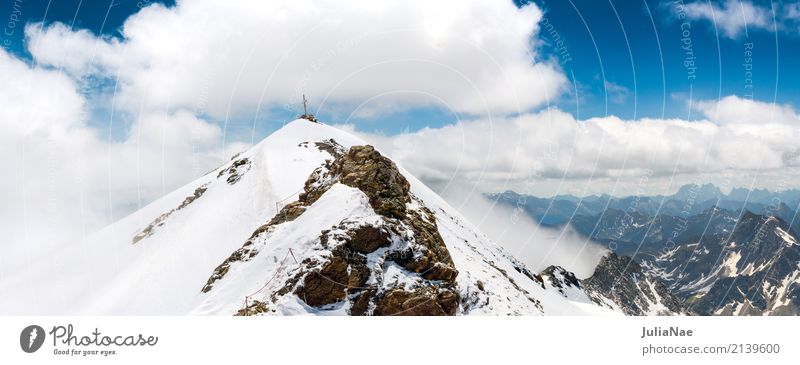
x: 698, y: 193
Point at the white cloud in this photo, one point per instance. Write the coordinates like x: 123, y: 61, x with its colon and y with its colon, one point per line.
x: 735, y: 110
x: 737, y: 135
x: 62, y: 179
x: 616, y: 93
x: 77, y: 52
x: 732, y: 16
x: 214, y: 57
x: 536, y: 246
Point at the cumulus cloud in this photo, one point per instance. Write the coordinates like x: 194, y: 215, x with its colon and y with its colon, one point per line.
x: 62, y: 179
x: 501, y: 153
x: 731, y: 17
x: 616, y: 93
x: 77, y: 52
x: 734, y: 18
x: 735, y: 110
x: 232, y: 57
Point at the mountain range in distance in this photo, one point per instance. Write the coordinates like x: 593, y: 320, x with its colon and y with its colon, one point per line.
x: 720, y: 254
x: 689, y: 200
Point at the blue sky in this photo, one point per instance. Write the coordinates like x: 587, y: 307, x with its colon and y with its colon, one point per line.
x: 100, y: 16
x: 638, y: 45
x: 623, y: 58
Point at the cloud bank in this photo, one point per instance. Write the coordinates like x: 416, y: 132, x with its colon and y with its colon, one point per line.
x: 474, y: 56
x: 735, y: 134
x: 63, y: 179
x: 731, y: 17
x: 536, y: 246
x: 735, y: 18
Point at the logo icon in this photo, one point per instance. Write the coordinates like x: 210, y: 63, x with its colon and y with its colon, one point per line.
x: 31, y: 338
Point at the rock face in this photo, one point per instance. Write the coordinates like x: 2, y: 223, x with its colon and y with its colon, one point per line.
x: 751, y: 269
x: 364, y: 168
x: 422, y: 250
x: 621, y: 280
x: 560, y: 278
x: 618, y: 283
x: 422, y: 302
x: 406, y: 236
x: 345, y: 273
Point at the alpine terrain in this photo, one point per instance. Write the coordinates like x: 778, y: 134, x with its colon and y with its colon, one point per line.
x: 719, y: 254
x: 313, y: 220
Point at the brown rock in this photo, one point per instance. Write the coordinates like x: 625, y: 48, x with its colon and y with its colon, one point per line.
x: 360, y: 303
x: 423, y: 302
x: 326, y: 286
x: 344, y: 273
x: 365, y: 168
x: 367, y: 239
x: 288, y: 213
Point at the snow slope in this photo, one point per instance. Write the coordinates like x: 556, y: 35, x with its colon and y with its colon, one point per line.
x: 157, y: 260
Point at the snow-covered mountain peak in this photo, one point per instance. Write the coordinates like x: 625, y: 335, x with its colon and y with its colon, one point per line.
x: 311, y: 220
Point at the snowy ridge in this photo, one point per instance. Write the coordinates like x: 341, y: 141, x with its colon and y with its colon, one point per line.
x: 256, y: 236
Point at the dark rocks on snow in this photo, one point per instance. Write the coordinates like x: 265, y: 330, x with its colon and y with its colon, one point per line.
x: 343, y: 274
x: 236, y: 170
x: 367, y: 239
x: 331, y: 147
x: 241, y: 254
x: 560, y: 278
x: 331, y: 283
x: 365, y: 168
x: 388, y: 191
x: 160, y: 220
x: 254, y: 308
x: 309, y: 117
x: 288, y: 213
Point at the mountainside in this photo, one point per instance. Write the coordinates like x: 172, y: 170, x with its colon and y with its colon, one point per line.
x: 309, y: 221
x: 631, y: 289
x: 708, y: 253
x: 752, y: 270
x: 620, y: 284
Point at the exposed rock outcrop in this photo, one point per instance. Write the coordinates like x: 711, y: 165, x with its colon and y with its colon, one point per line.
x: 160, y: 220
x: 235, y: 171
x: 406, y: 236
x: 621, y: 280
